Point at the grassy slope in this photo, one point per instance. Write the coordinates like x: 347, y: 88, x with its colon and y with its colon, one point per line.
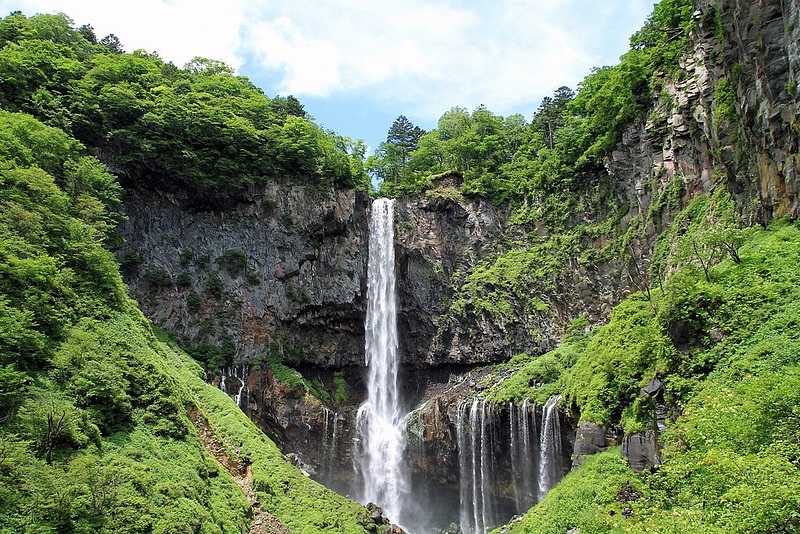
x: 731, y: 367
x: 94, y: 430
x: 300, y: 503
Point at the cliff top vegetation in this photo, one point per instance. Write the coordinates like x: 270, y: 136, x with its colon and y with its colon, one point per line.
x: 199, y: 131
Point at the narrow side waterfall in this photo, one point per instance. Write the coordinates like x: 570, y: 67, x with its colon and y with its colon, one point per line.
x: 550, y: 470
x: 380, y: 441
x: 330, y: 444
x: 475, y: 443
x: 524, y: 461
x: 238, y: 375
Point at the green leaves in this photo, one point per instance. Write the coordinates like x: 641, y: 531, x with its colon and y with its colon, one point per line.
x: 618, y: 360
x: 201, y: 130
x: 727, y: 348
x: 585, y: 499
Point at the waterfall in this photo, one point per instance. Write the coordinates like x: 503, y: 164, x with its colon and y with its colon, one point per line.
x: 464, y: 495
x: 330, y: 444
x: 524, y: 461
x: 476, y: 443
x: 550, y: 469
x: 240, y: 374
x: 534, y: 460
x: 380, y: 437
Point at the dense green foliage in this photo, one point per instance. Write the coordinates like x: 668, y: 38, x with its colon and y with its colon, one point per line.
x: 94, y: 428
x: 200, y: 130
x: 543, y: 163
x: 589, y: 498
x: 722, y: 336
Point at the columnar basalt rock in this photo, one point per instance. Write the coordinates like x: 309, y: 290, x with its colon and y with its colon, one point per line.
x: 287, y: 266
x: 761, y: 57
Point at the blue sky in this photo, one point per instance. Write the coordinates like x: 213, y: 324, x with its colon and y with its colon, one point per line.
x: 358, y: 64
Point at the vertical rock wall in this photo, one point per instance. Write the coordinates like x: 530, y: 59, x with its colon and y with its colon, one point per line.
x: 760, y: 56
x: 287, y: 268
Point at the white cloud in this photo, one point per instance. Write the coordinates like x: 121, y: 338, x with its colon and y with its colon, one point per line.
x: 423, y: 56
x: 177, y: 30
x: 310, y: 66
x: 429, y: 56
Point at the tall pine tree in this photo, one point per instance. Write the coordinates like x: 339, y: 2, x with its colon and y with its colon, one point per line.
x: 403, y: 138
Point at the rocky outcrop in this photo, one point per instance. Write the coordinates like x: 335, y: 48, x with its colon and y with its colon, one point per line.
x: 745, y: 51
x: 641, y: 450
x: 440, y: 236
x: 591, y: 438
x: 288, y: 267
x: 760, y: 55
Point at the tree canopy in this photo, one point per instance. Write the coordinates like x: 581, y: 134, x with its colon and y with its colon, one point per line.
x: 561, y: 149
x: 200, y: 130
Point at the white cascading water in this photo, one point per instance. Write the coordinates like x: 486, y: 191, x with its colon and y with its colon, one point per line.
x: 536, y: 457
x: 380, y: 426
x: 330, y: 444
x: 240, y: 374
x: 475, y: 444
x: 550, y: 470
x: 523, y: 435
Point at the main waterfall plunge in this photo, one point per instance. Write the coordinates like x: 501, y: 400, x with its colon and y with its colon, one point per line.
x: 380, y: 430
x: 457, y: 462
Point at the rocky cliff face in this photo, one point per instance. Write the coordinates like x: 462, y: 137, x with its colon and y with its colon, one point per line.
x: 438, y: 238
x: 441, y: 238
x: 760, y: 54
x: 287, y: 269
x: 729, y: 118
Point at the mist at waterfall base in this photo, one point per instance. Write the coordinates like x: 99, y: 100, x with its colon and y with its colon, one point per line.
x: 498, y: 461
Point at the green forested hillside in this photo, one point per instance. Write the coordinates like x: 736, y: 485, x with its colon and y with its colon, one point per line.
x: 199, y: 130
x: 95, y: 426
x: 725, y: 342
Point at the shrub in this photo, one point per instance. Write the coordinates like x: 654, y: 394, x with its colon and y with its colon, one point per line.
x: 193, y: 301
x: 157, y: 276
x: 339, y: 388
x: 183, y: 279
x: 233, y: 260
x: 214, y: 285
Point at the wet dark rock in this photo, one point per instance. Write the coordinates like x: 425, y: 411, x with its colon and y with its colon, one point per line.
x: 376, y: 513
x: 654, y: 387
x: 627, y: 493
x: 641, y: 450
x: 591, y: 438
